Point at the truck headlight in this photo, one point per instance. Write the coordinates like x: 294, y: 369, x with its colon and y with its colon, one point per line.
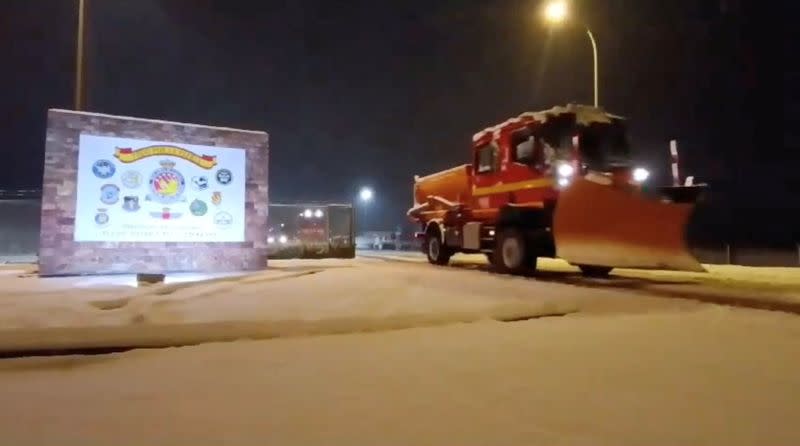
x: 565, y: 170
x: 283, y: 239
x: 640, y: 174
x: 270, y: 239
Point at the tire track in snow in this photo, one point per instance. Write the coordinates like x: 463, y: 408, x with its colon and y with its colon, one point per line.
x: 668, y: 289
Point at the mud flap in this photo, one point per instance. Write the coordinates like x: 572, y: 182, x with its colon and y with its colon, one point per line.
x: 604, y: 225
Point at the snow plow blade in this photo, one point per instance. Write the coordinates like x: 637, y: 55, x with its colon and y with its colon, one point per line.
x: 604, y: 225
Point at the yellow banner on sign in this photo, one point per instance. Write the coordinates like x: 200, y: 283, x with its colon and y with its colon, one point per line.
x: 128, y: 155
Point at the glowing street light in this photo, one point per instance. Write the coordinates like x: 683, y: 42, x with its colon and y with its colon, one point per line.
x: 556, y: 12
x: 366, y: 194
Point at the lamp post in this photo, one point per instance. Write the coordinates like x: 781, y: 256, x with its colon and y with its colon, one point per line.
x: 365, y: 196
x: 557, y: 12
x: 79, y: 57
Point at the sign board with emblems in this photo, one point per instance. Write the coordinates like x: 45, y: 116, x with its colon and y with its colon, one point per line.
x: 133, y: 195
x: 132, y: 190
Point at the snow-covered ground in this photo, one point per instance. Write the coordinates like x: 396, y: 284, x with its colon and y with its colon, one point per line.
x: 757, y: 287
x: 294, y: 298
x: 733, y: 275
x: 421, y: 356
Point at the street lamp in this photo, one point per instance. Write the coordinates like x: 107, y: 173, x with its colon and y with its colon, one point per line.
x: 366, y: 194
x: 556, y: 12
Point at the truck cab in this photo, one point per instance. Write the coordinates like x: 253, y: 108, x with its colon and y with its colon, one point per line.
x: 526, y: 160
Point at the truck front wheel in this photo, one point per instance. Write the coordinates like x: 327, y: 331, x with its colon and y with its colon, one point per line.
x: 438, y: 253
x: 512, y: 254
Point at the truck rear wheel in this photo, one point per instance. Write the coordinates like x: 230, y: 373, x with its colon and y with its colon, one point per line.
x: 595, y: 271
x: 512, y: 254
x: 438, y: 253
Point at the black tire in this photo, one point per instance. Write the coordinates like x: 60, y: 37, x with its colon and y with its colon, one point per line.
x: 595, y: 271
x: 512, y: 253
x: 437, y: 252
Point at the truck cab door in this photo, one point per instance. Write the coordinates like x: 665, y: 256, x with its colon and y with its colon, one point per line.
x: 529, y: 167
x: 487, y: 175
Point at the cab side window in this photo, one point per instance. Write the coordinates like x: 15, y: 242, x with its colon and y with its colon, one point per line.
x: 524, y: 147
x: 486, y: 159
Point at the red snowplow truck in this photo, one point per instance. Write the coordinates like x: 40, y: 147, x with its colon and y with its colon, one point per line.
x: 556, y: 183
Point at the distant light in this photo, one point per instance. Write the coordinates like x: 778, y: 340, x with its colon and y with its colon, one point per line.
x: 366, y: 194
x: 270, y: 239
x: 491, y: 233
x: 556, y: 11
x: 318, y: 213
x: 282, y: 225
x: 307, y: 213
x: 640, y: 175
x: 283, y: 239
x: 563, y: 182
x: 565, y: 170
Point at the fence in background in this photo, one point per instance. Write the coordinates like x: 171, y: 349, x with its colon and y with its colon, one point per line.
x: 20, y: 220
x: 740, y: 254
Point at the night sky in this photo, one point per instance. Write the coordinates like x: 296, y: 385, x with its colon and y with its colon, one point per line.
x: 372, y: 92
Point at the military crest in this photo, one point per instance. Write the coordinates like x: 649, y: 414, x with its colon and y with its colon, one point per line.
x: 198, y: 208
x: 131, y: 179
x: 130, y: 203
x: 103, y: 169
x: 166, y: 214
x: 200, y: 183
x: 223, y: 219
x: 167, y: 184
x: 224, y: 177
x: 101, y: 217
x: 109, y: 194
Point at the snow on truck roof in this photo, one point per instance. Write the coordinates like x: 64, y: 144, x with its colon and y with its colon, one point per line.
x: 584, y: 114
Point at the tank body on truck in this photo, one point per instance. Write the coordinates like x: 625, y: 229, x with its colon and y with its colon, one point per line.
x: 555, y: 183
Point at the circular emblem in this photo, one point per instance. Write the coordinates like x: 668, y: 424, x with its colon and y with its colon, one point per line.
x: 224, y: 176
x: 103, y: 169
x: 109, y: 194
x: 131, y: 179
x: 200, y: 183
x: 223, y: 218
x: 198, y: 208
x: 101, y: 218
x: 167, y: 184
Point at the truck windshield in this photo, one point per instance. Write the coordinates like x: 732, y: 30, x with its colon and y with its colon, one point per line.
x: 604, y: 145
